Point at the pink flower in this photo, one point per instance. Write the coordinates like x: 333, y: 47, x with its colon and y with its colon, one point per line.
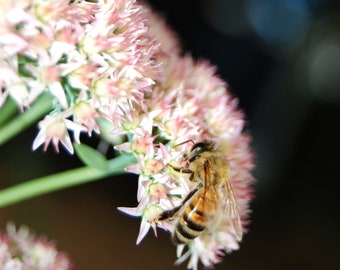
x: 54, y: 128
x: 85, y: 114
x: 149, y: 214
x: 21, y: 249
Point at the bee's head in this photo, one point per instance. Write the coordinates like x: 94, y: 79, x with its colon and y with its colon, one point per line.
x: 199, y: 148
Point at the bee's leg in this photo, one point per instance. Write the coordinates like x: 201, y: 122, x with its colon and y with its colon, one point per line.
x: 168, y: 214
x: 182, y: 170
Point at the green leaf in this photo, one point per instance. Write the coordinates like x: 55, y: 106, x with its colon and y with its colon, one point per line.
x: 106, y: 128
x: 91, y: 157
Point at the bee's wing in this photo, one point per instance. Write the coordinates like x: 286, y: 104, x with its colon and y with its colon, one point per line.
x: 220, y: 203
x: 231, y: 210
x: 213, y: 198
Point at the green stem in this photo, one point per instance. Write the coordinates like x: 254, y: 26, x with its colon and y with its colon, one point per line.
x: 7, y: 110
x: 62, y: 180
x: 40, y: 107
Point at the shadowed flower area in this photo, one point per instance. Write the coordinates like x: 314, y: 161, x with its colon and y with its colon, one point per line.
x: 114, y: 69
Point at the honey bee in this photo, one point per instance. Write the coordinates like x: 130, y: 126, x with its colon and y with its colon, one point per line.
x: 213, y: 197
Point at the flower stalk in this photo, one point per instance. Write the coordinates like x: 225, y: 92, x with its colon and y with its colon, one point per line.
x: 7, y: 111
x: 54, y: 182
x: 38, y: 109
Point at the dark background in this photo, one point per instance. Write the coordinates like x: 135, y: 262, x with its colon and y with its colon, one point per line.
x: 282, y: 59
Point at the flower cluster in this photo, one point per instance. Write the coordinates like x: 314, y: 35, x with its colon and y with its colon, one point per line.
x: 189, y: 103
x: 20, y: 249
x: 194, y: 106
x: 94, y: 58
x: 117, y: 61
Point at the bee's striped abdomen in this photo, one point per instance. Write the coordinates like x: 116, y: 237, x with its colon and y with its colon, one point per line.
x: 192, y: 222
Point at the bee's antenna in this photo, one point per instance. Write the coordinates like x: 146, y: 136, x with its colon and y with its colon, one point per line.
x: 191, y: 141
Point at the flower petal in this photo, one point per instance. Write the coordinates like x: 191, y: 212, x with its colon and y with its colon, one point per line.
x: 144, y: 228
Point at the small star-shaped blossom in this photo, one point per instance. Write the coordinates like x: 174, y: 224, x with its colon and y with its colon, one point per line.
x: 149, y: 215
x: 85, y: 114
x: 55, y: 129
